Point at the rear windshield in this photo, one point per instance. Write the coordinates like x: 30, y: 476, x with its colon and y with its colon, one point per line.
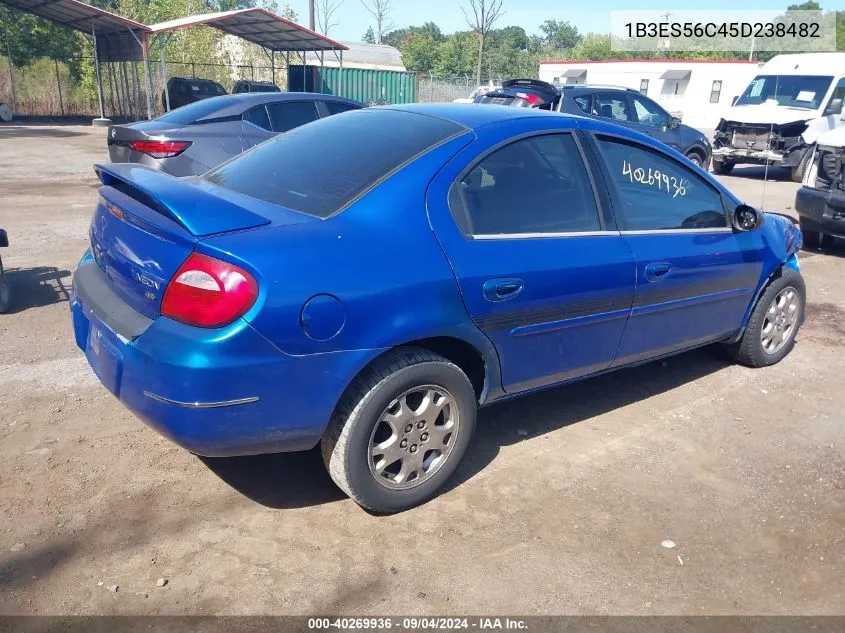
x: 189, y: 113
x: 323, y: 166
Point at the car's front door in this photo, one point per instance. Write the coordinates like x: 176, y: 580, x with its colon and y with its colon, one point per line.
x: 541, y: 267
x: 649, y: 118
x: 696, y: 276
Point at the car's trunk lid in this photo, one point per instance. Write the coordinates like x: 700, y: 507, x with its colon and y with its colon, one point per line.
x: 147, y: 223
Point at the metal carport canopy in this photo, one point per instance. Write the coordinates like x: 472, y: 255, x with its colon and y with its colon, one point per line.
x: 108, y: 30
x: 259, y: 26
x: 77, y: 15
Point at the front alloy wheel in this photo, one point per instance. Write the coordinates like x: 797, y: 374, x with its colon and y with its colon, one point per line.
x: 774, y: 322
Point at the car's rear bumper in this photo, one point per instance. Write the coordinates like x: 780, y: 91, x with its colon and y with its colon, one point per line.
x: 821, y: 210
x: 220, y: 392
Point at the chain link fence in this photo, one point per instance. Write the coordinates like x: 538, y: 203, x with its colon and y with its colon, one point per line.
x: 47, y: 88
x: 434, y: 88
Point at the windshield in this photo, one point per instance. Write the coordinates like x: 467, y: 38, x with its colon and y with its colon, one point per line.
x: 787, y: 90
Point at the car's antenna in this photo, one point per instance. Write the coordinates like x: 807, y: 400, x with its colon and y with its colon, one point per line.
x: 768, y: 149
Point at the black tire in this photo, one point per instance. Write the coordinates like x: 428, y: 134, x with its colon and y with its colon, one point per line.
x: 696, y: 158
x: 5, y: 294
x: 346, y: 443
x: 826, y: 241
x: 722, y: 167
x: 749, y: 349
x: 796, y: 173
x: 812, y: 239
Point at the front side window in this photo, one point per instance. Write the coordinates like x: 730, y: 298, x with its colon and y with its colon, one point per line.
x: 657, y: 192
x: 288, y: 115
x: 795, y: 91
x: 838, y: 93
x: 716, y: 91
x: 535, y: 185
x: 336, y: 107
x: 649, y: 113
x: 611, y: 106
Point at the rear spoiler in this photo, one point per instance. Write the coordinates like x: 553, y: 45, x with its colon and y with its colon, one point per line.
x: 196, y: 209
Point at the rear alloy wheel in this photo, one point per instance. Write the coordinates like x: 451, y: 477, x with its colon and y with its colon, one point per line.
x: 771, y: 330
x: 5, y: 294
x: 696, y: 158
x: 722, y: 167
x: 400, y: 430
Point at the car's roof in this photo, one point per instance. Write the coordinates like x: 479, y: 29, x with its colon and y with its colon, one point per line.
x: 231, y: 105
x: 471, y: 115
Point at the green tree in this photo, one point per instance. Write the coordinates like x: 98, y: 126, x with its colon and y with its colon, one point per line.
x: 369, y: 36
x: 560, y: 35
x: 594, y: 46
x: 31, y: 37
x: 457, y: 55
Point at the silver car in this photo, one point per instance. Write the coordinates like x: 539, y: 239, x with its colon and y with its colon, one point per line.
x: 190, y: 140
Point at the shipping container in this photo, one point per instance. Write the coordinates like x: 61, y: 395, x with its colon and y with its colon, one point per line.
x: 374, y: 87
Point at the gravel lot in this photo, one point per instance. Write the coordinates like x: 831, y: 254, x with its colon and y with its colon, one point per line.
x: 743, y: 469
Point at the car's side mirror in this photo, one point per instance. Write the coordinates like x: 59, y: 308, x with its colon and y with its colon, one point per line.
x: 733, y: 101
x: 747, y: 218
x: 675, y: 122
x: 835, y: 107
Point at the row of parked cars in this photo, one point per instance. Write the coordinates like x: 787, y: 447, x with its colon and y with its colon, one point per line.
x: 184, y: 90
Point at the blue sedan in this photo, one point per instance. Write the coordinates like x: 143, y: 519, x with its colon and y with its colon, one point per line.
x: 367, y: 281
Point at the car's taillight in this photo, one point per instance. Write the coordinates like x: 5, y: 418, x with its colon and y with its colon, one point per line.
x: 208, y: 292
x: 160, y: 149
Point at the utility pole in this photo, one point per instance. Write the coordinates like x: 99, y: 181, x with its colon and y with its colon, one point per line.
x: 311, y: 14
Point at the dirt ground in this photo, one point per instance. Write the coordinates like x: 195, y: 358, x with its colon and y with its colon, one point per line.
x: 743, y: 469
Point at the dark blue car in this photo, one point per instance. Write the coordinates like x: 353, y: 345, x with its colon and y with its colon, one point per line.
x: 368, y: 280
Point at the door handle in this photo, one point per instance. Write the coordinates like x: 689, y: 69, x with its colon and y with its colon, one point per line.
x: 657, y: 271
x: 502, y: 289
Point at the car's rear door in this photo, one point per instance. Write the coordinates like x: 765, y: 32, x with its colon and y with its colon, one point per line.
x: 696, y: 276
x: 541, y: 267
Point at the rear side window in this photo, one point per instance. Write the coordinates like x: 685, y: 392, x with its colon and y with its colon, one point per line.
x: 336, y: 107
x: 258, y: 116
x: 658, y: 193
x: 321, y: 168
x: 534, y: 185
x: 583, y: 102
x: 291, y: 114
x: 611, y: 106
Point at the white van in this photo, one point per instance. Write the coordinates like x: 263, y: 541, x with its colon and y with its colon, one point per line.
x: 782, y: 112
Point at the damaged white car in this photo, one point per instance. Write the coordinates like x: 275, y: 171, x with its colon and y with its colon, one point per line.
x: 820, y: 203
x: 778, y: 118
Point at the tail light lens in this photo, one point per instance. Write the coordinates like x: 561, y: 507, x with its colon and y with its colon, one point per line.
x: 532, y: 99
x: 160, y: 149
x: 208, y: 292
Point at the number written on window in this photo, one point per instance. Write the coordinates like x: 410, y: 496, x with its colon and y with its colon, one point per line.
x: 651, y: 177
x: 659, y: 193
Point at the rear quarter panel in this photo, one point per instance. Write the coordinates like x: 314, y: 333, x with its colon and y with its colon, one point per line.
x: 379, y: 258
